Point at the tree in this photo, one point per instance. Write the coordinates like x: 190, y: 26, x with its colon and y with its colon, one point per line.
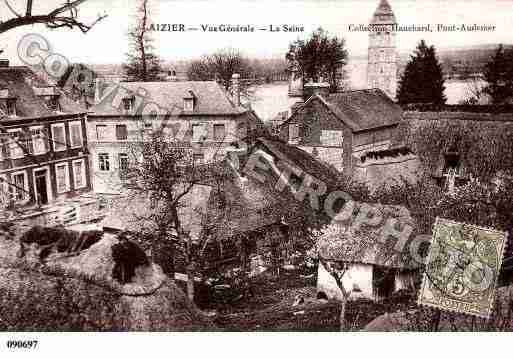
x: 65, y: 15
x: 498, y: 74
x: 423, y: 78
x: 220, y: 66
x: 321, y: 57
x: 143, y: 64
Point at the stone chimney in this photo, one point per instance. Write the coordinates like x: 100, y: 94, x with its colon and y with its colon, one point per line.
x: 97, y: 90
x: 4, y: 63
x: 236, y: 89
x: 316, y: 88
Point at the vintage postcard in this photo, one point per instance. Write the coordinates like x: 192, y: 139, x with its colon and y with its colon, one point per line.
x: 462, y: 268
x: 255, y: 166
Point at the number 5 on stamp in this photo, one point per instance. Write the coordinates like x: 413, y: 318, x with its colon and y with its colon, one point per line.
x: 462, y: 268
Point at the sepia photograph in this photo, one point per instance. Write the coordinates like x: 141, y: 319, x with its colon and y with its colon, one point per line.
x: 198, y: 167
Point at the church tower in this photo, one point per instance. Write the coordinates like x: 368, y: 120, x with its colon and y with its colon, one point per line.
x: 382, y: 61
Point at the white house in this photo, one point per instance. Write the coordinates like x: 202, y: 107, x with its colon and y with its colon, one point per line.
x: 373, y: 270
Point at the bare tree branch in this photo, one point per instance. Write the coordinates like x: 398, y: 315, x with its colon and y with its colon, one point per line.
x: 53, y: 20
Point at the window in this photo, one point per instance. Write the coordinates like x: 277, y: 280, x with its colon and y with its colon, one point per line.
x: 11, y: 107
x: 199, y: 133
x: 38, y: 140
x: 15, y: 143
x: 188, y: 104
x: 101, y: 132
x: 128, y: 104
x: 53, y: 102
x: 58, y: 137
x: 4, y: 194
x: 148, y: 126
x: 123, y: 165
x: 294, y: 133
x: 219, y: 132
x: 332, y: 138
x: 121, y: 132
x: 75, y: 130
x: 79, y: 176
x: 198, y: 158
x: 62, y: 177
x: 103, y: 162
x: 19, y: 186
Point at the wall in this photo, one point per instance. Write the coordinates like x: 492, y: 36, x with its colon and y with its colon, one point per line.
x: 313, y: 118
x: 358, y: 275
x: 176, y: 127
x: 387, y: 170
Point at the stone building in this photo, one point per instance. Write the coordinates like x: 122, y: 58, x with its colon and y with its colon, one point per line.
x: 198, y: 114
x: 337, y: 127
x: 43, y: 143
x: 382, y: 53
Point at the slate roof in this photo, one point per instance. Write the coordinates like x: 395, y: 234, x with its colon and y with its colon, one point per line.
x: 210, y: 98
x: 383, y: 14
x: 302, y: 159
x: 23, y: 84
x: 365, y: 109
x: 360, y: 110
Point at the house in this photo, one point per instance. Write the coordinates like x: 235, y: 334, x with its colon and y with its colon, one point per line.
x: 248, y: 211
x: 373, y: 270
x: 199, y: 113
x: 336, y: 127
x: 43, y: 142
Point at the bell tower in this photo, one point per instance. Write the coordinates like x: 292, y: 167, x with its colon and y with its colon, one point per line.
x: 382, y: 54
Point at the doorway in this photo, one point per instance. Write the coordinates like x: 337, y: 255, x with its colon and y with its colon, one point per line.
x: 41, y: 186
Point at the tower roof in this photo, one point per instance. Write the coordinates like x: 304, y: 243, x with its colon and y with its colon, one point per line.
x: 383, y: 14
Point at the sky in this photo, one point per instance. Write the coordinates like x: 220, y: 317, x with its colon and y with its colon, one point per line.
x: 107, y: 41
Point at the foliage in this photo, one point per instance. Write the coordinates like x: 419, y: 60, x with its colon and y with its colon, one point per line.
x: 142, y: 64
x: 423, y: 79
x: 485, y: 147
x: 220, y: 66
x: 498, y: 73
x: 321, y: 56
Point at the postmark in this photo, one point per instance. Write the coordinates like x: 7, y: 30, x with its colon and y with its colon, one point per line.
x: 462, y: 267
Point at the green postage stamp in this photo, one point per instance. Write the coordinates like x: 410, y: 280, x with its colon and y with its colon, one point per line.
x: 462, y: 267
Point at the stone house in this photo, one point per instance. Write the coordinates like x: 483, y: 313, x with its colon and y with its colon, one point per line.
x: 336, y: 127
x: 199, y: 114
x: 43, y: 142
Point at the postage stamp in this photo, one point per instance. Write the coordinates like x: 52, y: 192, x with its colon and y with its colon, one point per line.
x: 462, y: 267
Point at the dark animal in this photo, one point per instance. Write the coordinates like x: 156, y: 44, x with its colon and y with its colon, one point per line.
x: 127, y: 256
x: 58, y: 239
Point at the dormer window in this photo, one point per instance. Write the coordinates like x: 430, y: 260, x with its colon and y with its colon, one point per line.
x: 7, y: 103
x: 50, y: 96
x: 11, y: 107
x: 128, y: 103
x: 189, y: 102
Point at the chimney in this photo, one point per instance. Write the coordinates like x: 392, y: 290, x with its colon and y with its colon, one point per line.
x: 236, y: 89
x: 4, y: 63
x: 316, y: 88
x: 97, y: 93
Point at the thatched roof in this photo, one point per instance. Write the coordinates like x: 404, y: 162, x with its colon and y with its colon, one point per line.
x: 79, y: 293
x: 133, y: 211
x: 343, y: 241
